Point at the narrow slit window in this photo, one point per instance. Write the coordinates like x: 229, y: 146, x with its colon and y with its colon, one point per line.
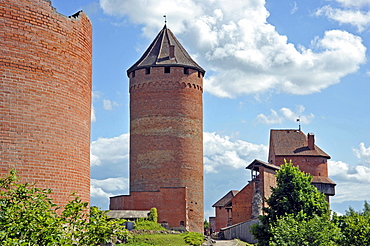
x: 133, y: 74
x: 147, y: 70
x: 167, y: 69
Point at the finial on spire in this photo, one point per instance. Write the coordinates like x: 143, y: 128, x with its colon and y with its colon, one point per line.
x: 299, y: 123
x: 165, y: 19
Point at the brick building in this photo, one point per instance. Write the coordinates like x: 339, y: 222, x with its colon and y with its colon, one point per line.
x: 166, y: 135
x: 45, y: 97
x: 284, y: 144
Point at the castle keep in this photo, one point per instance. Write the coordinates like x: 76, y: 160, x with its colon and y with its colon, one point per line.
x: 246, y: 205
x: 166, y: 135
x: 45, y: 97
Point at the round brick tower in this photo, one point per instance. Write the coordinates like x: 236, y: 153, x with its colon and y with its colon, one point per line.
x: 166, y: 124
x: 45, y: 97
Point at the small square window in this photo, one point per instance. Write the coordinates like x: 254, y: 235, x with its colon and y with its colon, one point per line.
x: 186, y: 70
x: 147, y: 70
x: 167, y: 69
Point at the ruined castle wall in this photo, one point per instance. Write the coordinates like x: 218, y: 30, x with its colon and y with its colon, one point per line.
x: 171, y: 204
x: 45, y: 96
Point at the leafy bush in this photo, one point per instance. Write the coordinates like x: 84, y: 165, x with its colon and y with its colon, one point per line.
x: 193, y: 238
x: 153, y: 215
x: 143, y: 224
x: 29, y: 217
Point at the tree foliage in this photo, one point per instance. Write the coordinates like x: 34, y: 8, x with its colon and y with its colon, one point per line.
x: 29, y: 217
x: 355, y: 227
x: 206, y: 224
x: 292, y: 230
x: 293, y: 194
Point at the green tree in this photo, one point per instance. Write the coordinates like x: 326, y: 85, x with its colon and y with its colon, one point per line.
x: 355, y: 227
x: 293, y: 194
x: 206, y: 224
x: 292, y: 230
x: 29, y: 217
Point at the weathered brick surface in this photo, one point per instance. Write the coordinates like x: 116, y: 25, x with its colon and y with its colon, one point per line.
x: 223, y: 218
x: 45, y: 96
x: 171, y: 204
x: 166, y: 138
x: 314, y: 165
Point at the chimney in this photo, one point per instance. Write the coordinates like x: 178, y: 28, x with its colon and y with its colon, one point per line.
x: 311, y: 141
x: 172, y: 51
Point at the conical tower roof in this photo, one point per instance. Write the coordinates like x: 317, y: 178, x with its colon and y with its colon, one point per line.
x: 159, y: 54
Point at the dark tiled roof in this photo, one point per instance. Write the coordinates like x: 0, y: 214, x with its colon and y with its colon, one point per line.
x: 257, y: 163
x: 158, y: 54
x: 292, y: 142
x: 225, y: 200
x: 322, y: 180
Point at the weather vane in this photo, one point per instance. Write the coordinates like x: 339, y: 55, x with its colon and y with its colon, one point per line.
x: 165, y: 19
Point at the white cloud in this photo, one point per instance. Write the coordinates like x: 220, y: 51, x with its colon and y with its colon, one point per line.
x: 93, y: 116
x: 234, y: 40
x: 295, y: 8
x: 108, y: 104
x: 97, y: 192
x: 221, y: 151
x: 351, y: 181
x: 110, y: 184
x: 354, y: 17
x: 354, y: 3
x: 286, y: 114
x: 363, y: 153
x: 109, y: 150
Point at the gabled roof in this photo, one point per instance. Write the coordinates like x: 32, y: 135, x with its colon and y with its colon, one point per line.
x: 226, y: 199
x: 292, y: 143
x: 158, y: 54
x: 258, y: 163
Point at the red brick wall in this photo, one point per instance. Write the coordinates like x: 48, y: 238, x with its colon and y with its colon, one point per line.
x: 166, y: 135
x: 222, y: 217
x: 316, y: 166
x: 45, y: 97
x: 170, y: 203
x: 242, y: 204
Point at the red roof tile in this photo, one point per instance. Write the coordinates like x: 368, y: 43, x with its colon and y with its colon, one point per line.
x: 291, y: 143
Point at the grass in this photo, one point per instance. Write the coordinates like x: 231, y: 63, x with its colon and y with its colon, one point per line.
x: 156, y: 239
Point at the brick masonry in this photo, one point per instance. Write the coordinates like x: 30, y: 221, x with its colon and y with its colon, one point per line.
x: 45, y: 97
x: 166, y: 141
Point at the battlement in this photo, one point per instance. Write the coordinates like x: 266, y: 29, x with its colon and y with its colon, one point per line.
x: 166, y: 84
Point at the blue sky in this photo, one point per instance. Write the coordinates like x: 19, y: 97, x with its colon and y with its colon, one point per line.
x: 267, y: 62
